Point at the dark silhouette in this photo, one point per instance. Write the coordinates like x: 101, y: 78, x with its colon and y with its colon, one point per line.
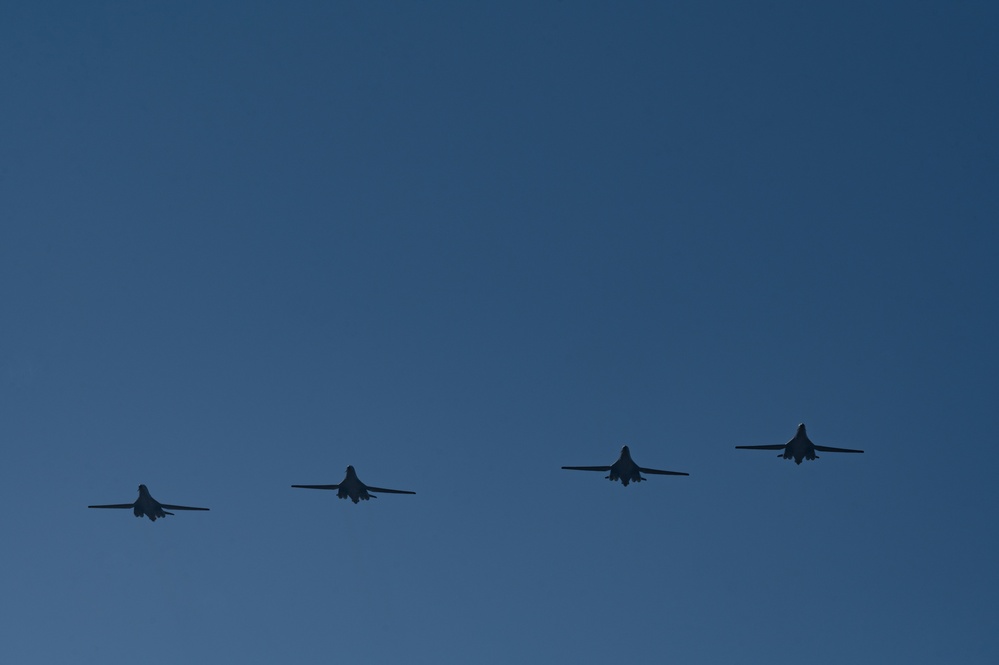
x: 352, y: 487
x: 800, y: 447
x: 625, y: 469
x: 148, y: 506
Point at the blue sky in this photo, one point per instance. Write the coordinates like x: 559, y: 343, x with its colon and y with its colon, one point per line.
x: 243, y: 245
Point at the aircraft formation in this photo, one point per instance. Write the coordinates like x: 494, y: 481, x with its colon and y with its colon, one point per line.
x: 624, y: 469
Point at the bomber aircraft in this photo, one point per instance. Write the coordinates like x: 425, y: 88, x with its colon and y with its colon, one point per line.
x: 148, y: 506
x: 352, y: 487
x: 800, y: 447
x: 625, y: 469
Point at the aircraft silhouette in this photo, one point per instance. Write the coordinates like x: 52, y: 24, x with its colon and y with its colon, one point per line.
x: 625, y: 469
x: 148, y: 506
x: 352, y: 487
x: 800, y: 447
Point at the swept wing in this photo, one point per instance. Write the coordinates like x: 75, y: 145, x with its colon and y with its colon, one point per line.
x: 827, y: 449
x: 385, y: 491
x: 662, y: 473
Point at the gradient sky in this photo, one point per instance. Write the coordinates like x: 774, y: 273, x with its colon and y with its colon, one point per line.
x: 245, y: 244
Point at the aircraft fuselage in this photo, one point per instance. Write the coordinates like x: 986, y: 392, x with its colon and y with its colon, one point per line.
x: 147, y: 506
x: 352, y: 487
x: 625, y: 469
x: 800, y: 447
